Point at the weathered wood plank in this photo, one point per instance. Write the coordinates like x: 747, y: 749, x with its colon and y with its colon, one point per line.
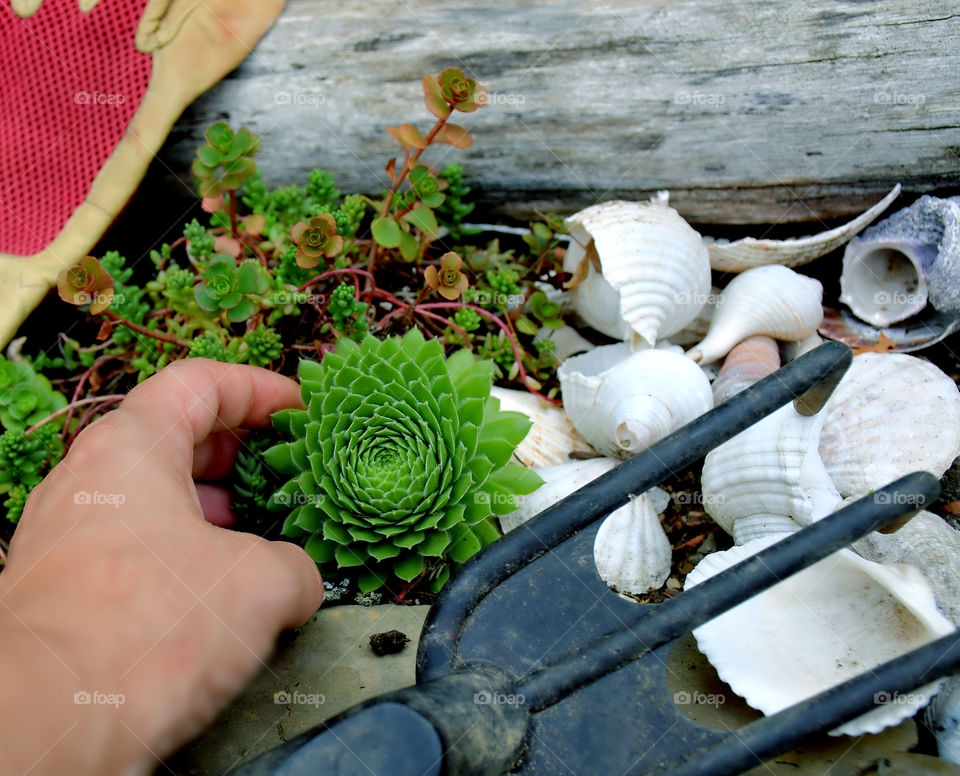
x: 754, y: 111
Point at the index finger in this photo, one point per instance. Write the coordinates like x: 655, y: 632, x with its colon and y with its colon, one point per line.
x: 189, y: 399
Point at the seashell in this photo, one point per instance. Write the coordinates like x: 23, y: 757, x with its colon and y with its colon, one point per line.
x: 631, y: 550
x: 697, y: 329
x: 746, y: 529
x: 890, y: 415
x: 558, y: 482
x: 747, y: 363
x: 771, y: 468
x: 568, y: 341
x: 791, y: 350
x: 942, y: 717
x: 552, y: 439
x: 744, y: 254
x: 896, y: 266
x: 917, y: 333
x: 828, y: 623
x: 644, y: 272
x: 928, y: 542
x: 623, y: 402
x: 774, y: 300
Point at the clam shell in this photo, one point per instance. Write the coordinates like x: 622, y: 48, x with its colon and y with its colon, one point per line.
x: 929, y: 543
x: 895, y: 267
x: 771, y: 468
x: 747, y: 363
x: 551, y: 439
x: 828, y: 623
x: 558, y: 483
x: 647, y: 270
x: 623, y: 402
x: 942, y: 716
x: 631, y: 550
x: 744, y: 254
x: 773, y: 300
x: 891, y: 414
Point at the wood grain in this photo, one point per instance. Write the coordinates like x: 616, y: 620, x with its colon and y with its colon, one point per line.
x: 748, y: 112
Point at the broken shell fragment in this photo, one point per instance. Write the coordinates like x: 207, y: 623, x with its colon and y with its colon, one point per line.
x: 747, y: 363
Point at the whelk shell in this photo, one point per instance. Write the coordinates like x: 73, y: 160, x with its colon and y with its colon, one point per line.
x: 895, y: 267
x: 747, y: 363
x: 623, y: 402
x: 641, y: 272
x: 891, y: 414
x: 772, y: 300
x: 744, y: 254
x: 828, y: 623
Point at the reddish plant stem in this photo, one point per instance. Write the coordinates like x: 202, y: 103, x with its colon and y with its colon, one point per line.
x: 91, y: 349
x: 232, y: 199
x: 462, y: 332
x: 86, y: 418
x: 331, y: 272
x: 76, y: 391
x: 513, y: 343
x: 110, y: 398
x: 172, y: 339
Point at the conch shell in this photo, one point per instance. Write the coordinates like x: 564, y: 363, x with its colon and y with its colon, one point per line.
x: 748, y: 363
x: 893, y: 269
x: 819, y: 627
x: 623, y: 402
x: 641, y: 273
x: 631, y: 550
x: 744, y: 254
x: 773, y: 300
x: 891, y: 414
x: 552, y: 439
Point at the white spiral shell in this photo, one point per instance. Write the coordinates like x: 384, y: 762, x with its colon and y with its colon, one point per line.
x: 647, y: 270
x: 623, y: 402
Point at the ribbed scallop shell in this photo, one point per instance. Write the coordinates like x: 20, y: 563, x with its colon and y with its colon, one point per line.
x: 891, y: 270
x: 631, y: 550
x: 891, y: 414
x: 747, y: 363
x: 773, y: 300
x: 551, y: 439
x: 771, y: 468
x: 929, y: 543
x: 744, y: 254
x: 746, y: 529
x: 828, y: 623
x: 647, y: 270
x: 558, y: 482
x: 623, y: 402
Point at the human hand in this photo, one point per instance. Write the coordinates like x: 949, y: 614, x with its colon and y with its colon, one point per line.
x: 134, y: 595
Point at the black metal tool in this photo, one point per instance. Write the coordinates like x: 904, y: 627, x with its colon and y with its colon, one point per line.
x: 528, y: 663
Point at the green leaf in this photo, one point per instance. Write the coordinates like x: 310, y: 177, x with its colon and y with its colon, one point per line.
x: 455, y: 135
x: 386, y: 231
x: 424, y: 219
x: 526, y: 326
x: 409, y: 248
x: 409, y: 567
x: 369, y: 581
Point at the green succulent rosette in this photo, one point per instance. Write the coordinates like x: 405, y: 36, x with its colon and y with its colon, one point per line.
x: 399, y: 461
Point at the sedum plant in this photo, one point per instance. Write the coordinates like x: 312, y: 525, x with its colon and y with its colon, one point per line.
x: 227, y: 287
x: 399, y: 460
